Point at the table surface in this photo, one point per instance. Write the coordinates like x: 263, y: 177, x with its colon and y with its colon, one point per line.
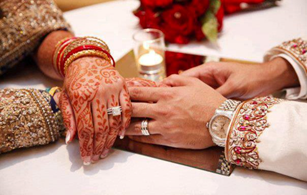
x: 57, y: 168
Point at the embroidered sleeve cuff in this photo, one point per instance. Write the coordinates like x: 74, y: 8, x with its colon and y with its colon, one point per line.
x: 247, y: 125
x: 295, y: 53
x: 28, y: 117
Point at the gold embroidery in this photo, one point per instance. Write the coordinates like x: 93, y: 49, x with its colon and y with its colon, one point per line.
x: 23, y: 25
x: 26, y: 119
x: 248, y: 124
x: 296, y: 48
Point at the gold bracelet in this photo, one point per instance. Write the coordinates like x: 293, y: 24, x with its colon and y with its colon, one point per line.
x: 54, y: 90
x: 58, y: 46
x: 71, y: 46
x: 99, y: 40
x: 83, y: 41
x: 82, y: 54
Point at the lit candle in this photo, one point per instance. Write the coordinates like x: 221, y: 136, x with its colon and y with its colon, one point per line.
x: 150, y: 59
x: 151, y: 63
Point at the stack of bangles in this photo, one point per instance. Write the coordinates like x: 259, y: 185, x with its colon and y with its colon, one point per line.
x: 70, y: 49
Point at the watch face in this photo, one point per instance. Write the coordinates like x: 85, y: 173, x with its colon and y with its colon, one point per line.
x: 219, y: 126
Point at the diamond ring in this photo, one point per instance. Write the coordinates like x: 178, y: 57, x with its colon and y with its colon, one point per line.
x: 115, y: 111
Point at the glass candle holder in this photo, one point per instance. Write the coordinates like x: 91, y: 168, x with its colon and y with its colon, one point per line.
x: 149, y: 51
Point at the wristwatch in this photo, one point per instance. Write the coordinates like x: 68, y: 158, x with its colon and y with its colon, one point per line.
x: 219, y: 123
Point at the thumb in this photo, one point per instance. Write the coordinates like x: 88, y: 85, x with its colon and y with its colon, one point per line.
x: 226, y: 89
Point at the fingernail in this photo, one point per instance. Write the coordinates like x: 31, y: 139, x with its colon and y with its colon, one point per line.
x: 67, y: 137
x: 122, y: 134
x: 104, y: 154
x: 87, y: 160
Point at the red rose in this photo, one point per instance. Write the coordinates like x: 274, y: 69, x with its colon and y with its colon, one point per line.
x: 176, y: 62
x: 199, y: 6
x: 177, y: 23
x: 148, y: 18
x: 199, y: 34
x: 156, y: 3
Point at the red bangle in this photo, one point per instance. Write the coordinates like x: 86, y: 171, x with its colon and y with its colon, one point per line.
x: 62, y: 45
x: 82, y: 48
x: 60, y: 53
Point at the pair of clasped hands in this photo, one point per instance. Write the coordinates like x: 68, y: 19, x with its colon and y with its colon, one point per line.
x: 177, y: 109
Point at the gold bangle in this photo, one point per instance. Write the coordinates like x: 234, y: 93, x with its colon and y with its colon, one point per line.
x: 56, y: 53
x: 75, y: 43
x: 99, y: 40
x: 84, y: 41
x: 82, y: 54
x: 58, y: 48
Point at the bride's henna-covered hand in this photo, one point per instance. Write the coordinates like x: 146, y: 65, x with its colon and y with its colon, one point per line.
x: 63, y: 101
x: 91, y: 86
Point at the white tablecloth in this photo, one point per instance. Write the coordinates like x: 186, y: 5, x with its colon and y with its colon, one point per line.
x: 57, y: 168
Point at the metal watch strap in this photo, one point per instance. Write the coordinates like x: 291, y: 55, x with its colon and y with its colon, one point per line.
x: 229, y: 105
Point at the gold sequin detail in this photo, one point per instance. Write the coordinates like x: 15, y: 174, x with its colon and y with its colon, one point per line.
x: 248, y: 124
x: 26, y: 119
x: 23, y: 25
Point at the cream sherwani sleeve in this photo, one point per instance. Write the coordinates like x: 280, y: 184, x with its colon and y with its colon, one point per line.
x: 269, y: 133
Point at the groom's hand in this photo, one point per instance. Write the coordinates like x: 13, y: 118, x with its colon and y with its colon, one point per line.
x: 244, y: 81
x: 177, y: 115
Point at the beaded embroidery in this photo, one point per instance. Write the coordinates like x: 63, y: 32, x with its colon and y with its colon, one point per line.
x: 26, y: 119
x: 296, y: 48
x: 22, y: 26
x: 248, y: 124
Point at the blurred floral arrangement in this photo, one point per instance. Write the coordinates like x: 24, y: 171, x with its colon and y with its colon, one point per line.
x: 184, y: 20
x: 176, y: 62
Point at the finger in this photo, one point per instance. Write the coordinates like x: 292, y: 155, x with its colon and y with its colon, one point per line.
x: 176, y: 80
x: 101, y: 125
x: 139, y: 82
x: 85, y: 127
x: 193, y: 72
x: 114, y: 126
x: 135, y: 128
x: 161, y: 84
x: 68, y: 116
x: 205, y: 73
x: 126, y: 105
x: 146, y: 94
x: 143, y: 110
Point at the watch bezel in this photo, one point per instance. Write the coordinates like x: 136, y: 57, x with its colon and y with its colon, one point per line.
x: 218, y: 140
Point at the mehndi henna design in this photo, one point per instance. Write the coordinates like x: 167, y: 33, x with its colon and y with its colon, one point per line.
x: 90, y: 79
x: 88, y: 84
